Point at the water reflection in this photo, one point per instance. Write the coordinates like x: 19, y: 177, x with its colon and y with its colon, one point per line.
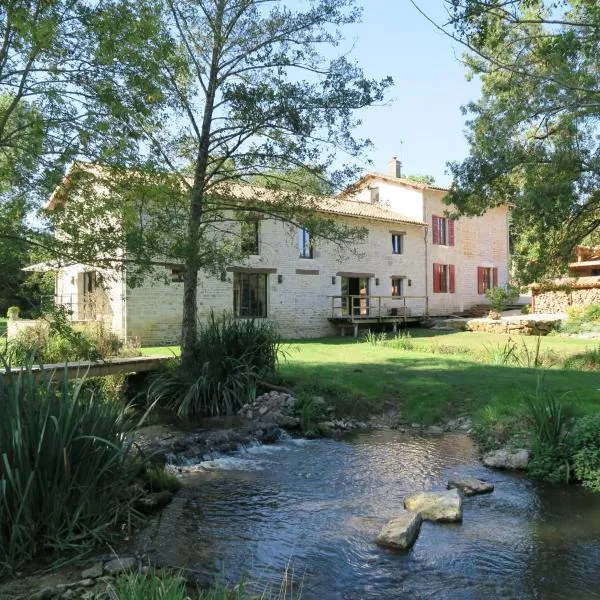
x: 319, y: 505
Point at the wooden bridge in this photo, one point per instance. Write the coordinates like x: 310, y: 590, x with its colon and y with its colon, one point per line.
x: 353, y: 311
x: 99, y: 368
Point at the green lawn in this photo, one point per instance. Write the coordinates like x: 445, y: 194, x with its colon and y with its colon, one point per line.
x: 362, y: 379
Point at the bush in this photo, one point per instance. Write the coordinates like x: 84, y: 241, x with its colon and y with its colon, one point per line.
x: 55, y: 340
x: 586, y: 451
x: 64, y: 470
x: 230, y: 356
x: 552, y: 423
x: 582, y: 319
x: 402, y: 341
x: 499, y: 297
x: 588, y: 360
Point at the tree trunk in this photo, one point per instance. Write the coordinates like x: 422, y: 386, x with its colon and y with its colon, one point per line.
x: 189, y: 324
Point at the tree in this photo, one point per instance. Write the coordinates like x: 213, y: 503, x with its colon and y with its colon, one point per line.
x: 426, y: 179
x: 533, y: 133
x: 222, y: 92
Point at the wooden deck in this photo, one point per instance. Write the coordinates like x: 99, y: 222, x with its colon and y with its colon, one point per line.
x: 360, y: 310
x: 101, y: 368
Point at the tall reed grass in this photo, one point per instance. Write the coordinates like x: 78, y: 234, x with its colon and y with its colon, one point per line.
x: 64, y: 468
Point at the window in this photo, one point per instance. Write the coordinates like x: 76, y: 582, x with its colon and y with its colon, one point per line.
x: 487, y: 278
x: 444, y: 278
x: 442, y: 231
x: 398, y: 286
x: 250, y: 294
x: 397, y: 243
x: 305, y: 243
x: 249, y: 235
x: 177, y: 274
x: 374, y: 195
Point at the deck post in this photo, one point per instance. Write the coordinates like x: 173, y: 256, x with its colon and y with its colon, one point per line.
x: 355, y: 330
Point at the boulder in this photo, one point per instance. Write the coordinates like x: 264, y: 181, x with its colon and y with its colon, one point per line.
x: 120, y: 565
x: 93, y: 572
x: 470, y: 486
x: 507, y: 459
x: 153, y: 501
x: 436, y: 506
x: 401, y: 532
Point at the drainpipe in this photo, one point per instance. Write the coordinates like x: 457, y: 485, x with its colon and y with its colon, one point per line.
x: 426, y: 272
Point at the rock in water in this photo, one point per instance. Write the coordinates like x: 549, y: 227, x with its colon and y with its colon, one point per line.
x: 401, y: 532
x: 470, y: 486
x: 436, y: 506
x: 507, y: 459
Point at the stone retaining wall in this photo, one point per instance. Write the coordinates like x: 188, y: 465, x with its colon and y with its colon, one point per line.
x: 513, y: 326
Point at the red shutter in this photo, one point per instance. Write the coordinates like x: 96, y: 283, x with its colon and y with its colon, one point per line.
x: 436, y: 278
x: 495, y: 276
x: 436, y: 229
x: 452, y: 277
x: 480, y: 280
x: 450, y: 232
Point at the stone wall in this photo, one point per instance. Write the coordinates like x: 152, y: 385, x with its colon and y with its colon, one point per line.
x: 558, y: 301
x: 514, y: 326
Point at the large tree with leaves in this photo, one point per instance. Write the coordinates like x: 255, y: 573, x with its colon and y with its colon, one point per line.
x: 534, y: 132
x: 220, y: 92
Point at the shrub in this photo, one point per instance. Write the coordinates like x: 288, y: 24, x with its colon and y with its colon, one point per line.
x: 586, y: 451
x: 375, y: 339
x: 592, y: 313
x: 499, y: 297
x: 402, y: 341
x: 230, y: 356
x: 64, y: 470
x: 551, y: 439
x: 588, y: 360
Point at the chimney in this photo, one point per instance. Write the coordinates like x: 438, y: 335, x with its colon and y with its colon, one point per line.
x: 395, y: 167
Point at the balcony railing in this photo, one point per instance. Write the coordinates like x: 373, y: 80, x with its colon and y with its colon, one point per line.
x: 357, y: 307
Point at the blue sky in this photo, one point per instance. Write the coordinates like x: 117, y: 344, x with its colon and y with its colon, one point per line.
x: 423, y: 123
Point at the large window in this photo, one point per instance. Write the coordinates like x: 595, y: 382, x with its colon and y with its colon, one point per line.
x: 398, y: 286
x: 444, y: 278
x: 249, y: 235
x: 487, y: 278
x: 443, y: 231
x: 397, y: 243
x: 250, y: 294
x: 305, y: 243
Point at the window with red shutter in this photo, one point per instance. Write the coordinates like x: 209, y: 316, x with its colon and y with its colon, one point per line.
x: 495, y: 276
x: 450, y: 232
x: 452, y: 278
x: 435, y: 228
x: 480, y: 280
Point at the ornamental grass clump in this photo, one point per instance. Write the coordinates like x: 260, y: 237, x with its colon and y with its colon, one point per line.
x: 230, y: 357
x: 65, y: 468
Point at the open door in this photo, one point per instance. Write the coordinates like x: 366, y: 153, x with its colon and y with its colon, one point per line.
x: 355, y: 306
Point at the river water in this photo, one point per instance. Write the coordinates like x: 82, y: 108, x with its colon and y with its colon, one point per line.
x: 317, y: 506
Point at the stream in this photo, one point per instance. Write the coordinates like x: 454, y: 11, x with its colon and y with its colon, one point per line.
x: 317, y: 506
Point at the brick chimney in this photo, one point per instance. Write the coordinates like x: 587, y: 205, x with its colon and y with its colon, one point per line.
x: 395, y: 167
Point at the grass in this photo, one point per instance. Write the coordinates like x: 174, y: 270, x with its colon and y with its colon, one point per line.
x: 3, y: 326
x: 361, y: 379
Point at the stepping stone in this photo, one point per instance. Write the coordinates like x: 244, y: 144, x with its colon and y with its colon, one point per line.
x: 507, y: 459
x: 401, y: 532
x: 436, y: 506
x: 470, y: 486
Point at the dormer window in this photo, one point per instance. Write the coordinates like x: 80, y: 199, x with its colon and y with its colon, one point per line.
x: 374, y: 195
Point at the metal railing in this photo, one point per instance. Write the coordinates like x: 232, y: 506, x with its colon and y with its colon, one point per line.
x: 79, y: 307
x: 356, y: 307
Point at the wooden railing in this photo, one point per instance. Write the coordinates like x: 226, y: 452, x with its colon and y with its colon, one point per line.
x: 355, y: 307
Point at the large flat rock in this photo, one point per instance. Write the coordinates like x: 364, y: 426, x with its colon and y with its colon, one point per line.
x: 436, y: 506
x: 507, y: 459
x: 469, y: 486
x: 401, y: 532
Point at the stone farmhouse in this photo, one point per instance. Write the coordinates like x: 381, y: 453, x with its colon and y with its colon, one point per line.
x: 415, y: 261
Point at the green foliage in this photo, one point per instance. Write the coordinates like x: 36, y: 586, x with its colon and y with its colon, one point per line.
x: 402, y: 341
x: 13, y: 312
x: 374, y: 338
x: 588, y: 360
x: 65, y: 468
x: 586, y: 451
x: 532, y: 134
x: 230, y: 356
x: 500, y: 297
x: 551, y: 439
x: 153, y: 585
x: 521, y: 354
x: 310, y: 410
x: 157, y: 479
x: 54, y: 340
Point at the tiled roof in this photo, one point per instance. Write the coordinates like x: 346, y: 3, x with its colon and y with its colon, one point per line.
x: 399, y: 180
x: 363, y: 210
